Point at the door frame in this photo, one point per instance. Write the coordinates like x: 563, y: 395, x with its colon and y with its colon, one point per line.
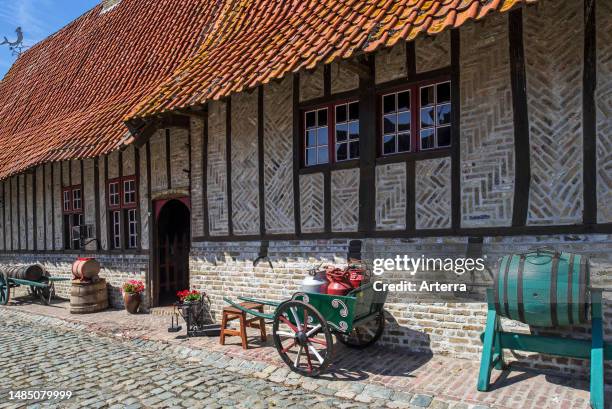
x: 158, y: 205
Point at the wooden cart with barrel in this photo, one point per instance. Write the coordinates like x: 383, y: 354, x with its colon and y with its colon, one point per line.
x: 545, y: 288
x: 34, y: 277
x: 302, y: 326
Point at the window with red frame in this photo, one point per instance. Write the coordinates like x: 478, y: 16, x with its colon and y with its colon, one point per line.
x: 72, y: 205
x: 416, y: 118
x: 331, y: 133
x: 122, y: 205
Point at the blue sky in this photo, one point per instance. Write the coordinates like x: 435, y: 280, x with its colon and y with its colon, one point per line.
x: 38, y: 19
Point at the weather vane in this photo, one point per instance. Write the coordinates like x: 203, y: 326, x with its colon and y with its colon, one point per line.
x: 16, y: 46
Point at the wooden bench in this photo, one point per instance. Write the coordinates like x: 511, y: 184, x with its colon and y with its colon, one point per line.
x: 232, y: 313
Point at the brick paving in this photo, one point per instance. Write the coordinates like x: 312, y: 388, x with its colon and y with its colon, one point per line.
x: 376, y: 376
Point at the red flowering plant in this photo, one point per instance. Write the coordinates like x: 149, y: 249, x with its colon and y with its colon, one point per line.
x: 189, y: 295
x: 133, y: 287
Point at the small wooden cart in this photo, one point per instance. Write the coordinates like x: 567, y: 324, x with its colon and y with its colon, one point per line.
x: 302, y: 327
x: 44, y: 289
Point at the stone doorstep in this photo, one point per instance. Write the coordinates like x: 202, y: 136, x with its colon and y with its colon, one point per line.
x: 259, y: 363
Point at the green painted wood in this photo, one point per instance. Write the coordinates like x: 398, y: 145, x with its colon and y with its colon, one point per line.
x: 248, y: 311
x: 338, y: 311
x: 486, y: 362
x: 597, y: 353
x: 549, y: 292
x: 264, y: 302
x: 28, y: 283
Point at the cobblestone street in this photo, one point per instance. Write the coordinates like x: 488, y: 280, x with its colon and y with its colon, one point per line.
x: 103, y: 372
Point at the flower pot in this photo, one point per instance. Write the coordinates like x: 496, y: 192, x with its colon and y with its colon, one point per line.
x: 132, y: 302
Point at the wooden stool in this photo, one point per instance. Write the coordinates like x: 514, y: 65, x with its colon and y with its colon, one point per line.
x: 233, y: 313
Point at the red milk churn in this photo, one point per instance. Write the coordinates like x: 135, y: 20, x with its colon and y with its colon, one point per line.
x: 338, y: 282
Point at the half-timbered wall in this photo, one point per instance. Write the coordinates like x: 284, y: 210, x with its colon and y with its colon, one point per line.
x: 603, y: 105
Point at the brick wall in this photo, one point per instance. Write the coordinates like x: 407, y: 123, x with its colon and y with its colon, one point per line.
x: 226, y: 269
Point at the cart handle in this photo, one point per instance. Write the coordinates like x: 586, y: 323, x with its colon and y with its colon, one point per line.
x: 264, y: 302
x: 248, y: 311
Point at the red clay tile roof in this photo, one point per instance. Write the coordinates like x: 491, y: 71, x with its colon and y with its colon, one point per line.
x: 256, y: 41
x: 66, y: 97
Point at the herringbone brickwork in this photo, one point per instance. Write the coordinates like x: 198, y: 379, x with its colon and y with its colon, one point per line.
x: 89, y: 197
x: 554, y: 56
x: 603, y: 101
x: 487, y: 130
x: 278, y: 156
x: 312, y: 203
x: 245, y: 165
x: 343, y: 79
x: 345, y: 200
x: 433, y: 194
x: 311, y: 84
x: 391, y: 197
x: 144, y: 201
x: 391, y: 63
x: 432, y: 52
x: 179, y: 158
x: 197, y: 208
x: 217, y: 169
x: 159, y: 174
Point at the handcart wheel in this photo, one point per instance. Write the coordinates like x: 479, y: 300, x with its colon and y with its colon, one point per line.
x: 46, y: 294
x: 364, y: 335
x: 5, y: 291
x: 302, y: 338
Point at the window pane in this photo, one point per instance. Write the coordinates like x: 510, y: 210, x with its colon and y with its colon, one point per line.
x: 444, y: 114
x: 427, y: 117
x: 354, y: 111
x: 322, y: 117
x: 427, y: 96
x: 389, y: 124
x: 322, y: 136
x: 389, y: 144
x: 310, y: 119
x: 444, y: 92
x: 311, y: 137
x: 341, y: 113
x: 403, y: 101
x: 403, y: 122
x: 444, y: 136
x: 341, y: 152
x: 403, y: 142
x: 354, y: 150
x: 323, y: 155
x: 389, y: 103
x: 427, y: 139
x: 341, y: 132
x: 354, y: 130
x: 311, y: 157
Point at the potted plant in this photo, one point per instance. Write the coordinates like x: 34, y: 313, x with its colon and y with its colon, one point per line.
x: 132, y: 295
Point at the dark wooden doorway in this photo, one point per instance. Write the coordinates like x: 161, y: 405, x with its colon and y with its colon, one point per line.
x: 173, y: 245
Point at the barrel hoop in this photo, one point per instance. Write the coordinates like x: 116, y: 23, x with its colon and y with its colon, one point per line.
x: 570, y: 280
x: 519, y: 288
x: 582, y: 294
x: 506, y: 306
x: 496, y: 288
x: 554, y: 272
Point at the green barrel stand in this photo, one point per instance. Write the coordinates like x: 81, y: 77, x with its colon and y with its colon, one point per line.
x: 495, y: 341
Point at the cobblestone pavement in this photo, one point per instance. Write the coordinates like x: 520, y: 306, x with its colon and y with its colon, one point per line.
x: 103, y: 372
x: 377, y: 376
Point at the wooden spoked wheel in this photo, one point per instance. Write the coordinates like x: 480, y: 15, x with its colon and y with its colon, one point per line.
x: 302, y: 338
x: 5, y: 291
x: 364, y: 335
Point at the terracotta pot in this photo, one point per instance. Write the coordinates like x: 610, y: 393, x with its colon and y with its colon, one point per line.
x: 132, y: 302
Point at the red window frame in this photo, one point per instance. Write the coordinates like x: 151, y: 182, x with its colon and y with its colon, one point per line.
x: 71, y: 202
x: 331, y: 131
x: 116, y: 181
x: 415, y: 119
x: 123, y: 207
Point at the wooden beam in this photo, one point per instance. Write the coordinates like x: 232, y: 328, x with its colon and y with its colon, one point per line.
x: 97, y: 201
x: 261, y: 158
x: 228, y: 163
x: 168, y: 161
x: 204, y: 149
x: 411, y: 60
x: 327, y: 81
x: 522, y: 150
x: 296, y: 154
x: 359, y: 66
x: 367, y: 149
x: 455, y: 130
x: 589, y: 121
x: 410, y: 195
x: 34, y: 224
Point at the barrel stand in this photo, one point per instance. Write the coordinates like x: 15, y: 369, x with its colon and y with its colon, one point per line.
x: 495, y: 341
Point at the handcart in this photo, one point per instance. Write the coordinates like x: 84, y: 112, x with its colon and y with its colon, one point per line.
x: 302, y: 327
x: 43, y: 288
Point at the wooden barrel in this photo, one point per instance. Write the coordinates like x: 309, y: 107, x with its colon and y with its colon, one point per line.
x: 30, y: 272
x: 543, y: 288
x: 85, y: 268
x: 86, y: 298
